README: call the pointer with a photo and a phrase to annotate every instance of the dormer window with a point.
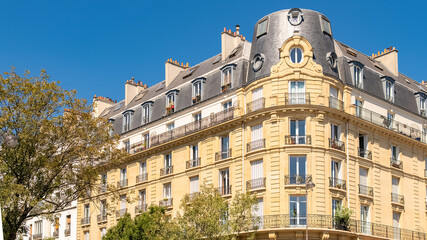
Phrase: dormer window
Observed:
(171, 97)
(227, 77)
(388, 88)
(421, 98)
(296, 55)
(262, 27)
(146, 112)
(356, 69)
(326, 25)
(295, 16)
(111, 121)
(197, 89)
(423, 106)
(127, 119)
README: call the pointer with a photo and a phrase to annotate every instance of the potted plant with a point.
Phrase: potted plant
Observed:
(299, 179)
(342, 218)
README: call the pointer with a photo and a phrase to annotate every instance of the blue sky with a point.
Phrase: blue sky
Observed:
(94, 46)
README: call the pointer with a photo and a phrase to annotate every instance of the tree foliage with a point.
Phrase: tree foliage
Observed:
(60, 143)
(342, 218)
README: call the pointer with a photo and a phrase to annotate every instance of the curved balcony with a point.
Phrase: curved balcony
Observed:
(297, 140)
(297, 98)
(336, 103)
(255, 145)
(255, 105)
(296, 179)
(254, 184)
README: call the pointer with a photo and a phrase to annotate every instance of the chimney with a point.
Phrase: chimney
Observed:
(132, 89)
(101, 103)
(229, 41)
(172, 69)
(389, 59)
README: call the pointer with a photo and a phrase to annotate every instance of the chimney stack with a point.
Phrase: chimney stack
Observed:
(172, 69)
(132, 89)
(101, 103)
(229, 41)
(389, 59)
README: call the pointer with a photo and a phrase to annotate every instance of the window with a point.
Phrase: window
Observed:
(257, 170)
(38, 227)
(326, 25)
(167, 191)
(170, 126)
(111, 130)
(389, 120)
(363, 176)
(146, 112)
(296, 55)
(123, 174)
(335, 170)
(389, 91)
(298, 132)
(122, 202)
(197, 89)
(256, 133)
(127, 145)
(295, 16)
(171, 97)
(395, 152)
(335, 132)
(86, 211)
(336, 205)
(168, 160)
(143, 171)
(357, 77)
(194, 152)
(259, 212)
(297, 210)
(395, 185)
(423, 106)
(86, 235)
(225, 144)
(297, 92)
(224, 182)
(68, 225)
(197, 117)
(127, 119)
(396, 225)
(359, 108)
(297, 169)
(227, 77)
(194, 184)
(227, 105)
(262, 27)
(141, 198)
(363, 146)
(103, 232)
(146, 140)
(104, 179)
(103, 207)
(257, 100)
(365, 219)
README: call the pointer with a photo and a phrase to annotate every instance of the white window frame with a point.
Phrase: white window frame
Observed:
(146, 112)
(296, 218)
(389, 91)
(294, 55)
(127, 120)
(194, 184)
(167, 191)
(262, 29)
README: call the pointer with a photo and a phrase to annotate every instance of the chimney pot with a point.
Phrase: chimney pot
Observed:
(237, 29)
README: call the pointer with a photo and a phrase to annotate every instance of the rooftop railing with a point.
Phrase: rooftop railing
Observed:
(255, 105)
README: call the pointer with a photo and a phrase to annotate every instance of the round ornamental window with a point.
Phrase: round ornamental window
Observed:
(331, 57)
(295, 16)
(257, 61)
(296, 55)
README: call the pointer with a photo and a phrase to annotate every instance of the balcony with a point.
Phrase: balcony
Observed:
(120, 213)
(335, 144)
(193, 163)
(37, 236)
(254, 184)
(225, 87)
(170, 109)
(55, 233)
(223, 155)
(197, 99)
(366, 190)
(166, 171)
(122, 183)
(255, 105)
(67, 232)
(224, 190)
(336, 103)
(101, 217)
(337, 183)
(142, 177)
(204, 123)
(297, 98)
(296, 140)
(397, 198)
(167, 203)
(103, 188)
(297, 179)
(255, 145)
(138, 147)
(364, 153)
(327, 222)
(140, 208)
(85, 221)
(392, 125)
(396, 163)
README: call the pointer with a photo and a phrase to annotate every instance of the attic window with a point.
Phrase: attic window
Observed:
(217, 58)
(262, 27)
(171, 97)
(295, 16)
(127, 118)
(197, 89)
(326, 25)
(162, 85)
(118, 106)
(190, 71)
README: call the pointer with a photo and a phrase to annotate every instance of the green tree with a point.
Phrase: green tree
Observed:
(208, 215)
(60, 143)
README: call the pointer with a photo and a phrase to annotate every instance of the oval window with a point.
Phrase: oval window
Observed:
(257, 62)
(296, 55)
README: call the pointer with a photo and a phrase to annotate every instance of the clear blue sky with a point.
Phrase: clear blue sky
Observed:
(94, 46)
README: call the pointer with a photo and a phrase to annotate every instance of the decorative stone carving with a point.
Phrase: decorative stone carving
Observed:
(299, 235)
(325, 236)
(272, 236)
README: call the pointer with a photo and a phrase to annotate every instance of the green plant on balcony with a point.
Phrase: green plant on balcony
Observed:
(339, 186)
(299, 179)
(225, 87)
(342, 218)
(170, 108)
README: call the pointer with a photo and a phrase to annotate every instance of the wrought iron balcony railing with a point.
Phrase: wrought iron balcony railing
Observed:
(255, 105)
(168, 202)
(292, 140)
(255, 184)
(336, 103)
(396, 163)
(197, 98)
(297, 98)
(166, 171)
(122, 183)
(206, 122)
(223, 155)
(140, 208)
(85, 220)
(366, 190)
(102, 188)
(295, 179)
(364, 153)
(337, 183)
(142, 177)
(193, 163)
(397, 198)
(55, 233)
(138, 146)
(225, 190)
(37, 236)
(335, 144)
(101, 217)
(120, 213)
(67, 232)
(256, 145)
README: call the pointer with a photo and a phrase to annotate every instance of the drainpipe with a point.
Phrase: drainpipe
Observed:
(243, 145)
(348, 162)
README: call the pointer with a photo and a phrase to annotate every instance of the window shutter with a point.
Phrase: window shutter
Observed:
(257, 170)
